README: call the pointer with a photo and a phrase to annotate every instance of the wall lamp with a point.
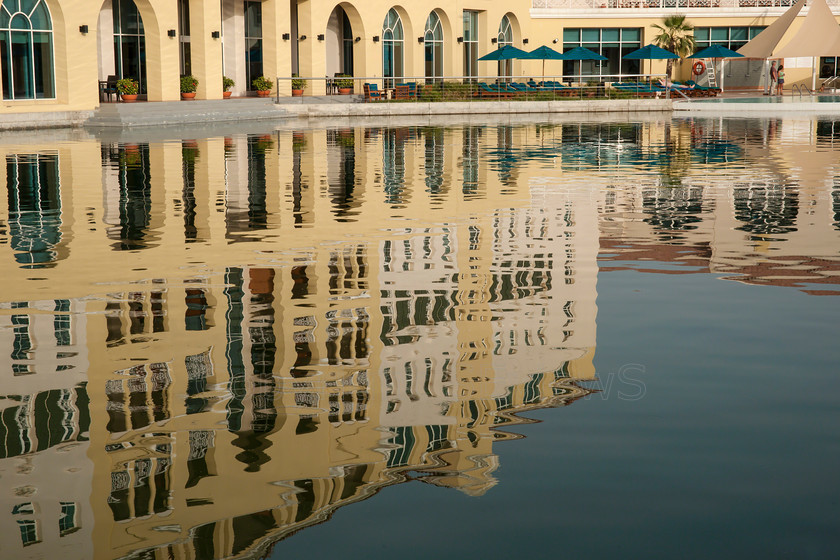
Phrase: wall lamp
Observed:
(286, 36)
(303, 37)
(525, 41)
(321, 37)
(170, 33)
(460, 39)
(493, 40)
(83, 29)
(555, 41)
(376, 38)
(357, 39)
(420, 40)
(215, 34)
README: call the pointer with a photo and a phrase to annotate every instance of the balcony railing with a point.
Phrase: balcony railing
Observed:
(665, 4)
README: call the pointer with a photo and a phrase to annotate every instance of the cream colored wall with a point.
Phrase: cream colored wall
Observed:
(81, 60)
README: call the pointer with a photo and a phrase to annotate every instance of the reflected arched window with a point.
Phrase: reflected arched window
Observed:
(433, 46)
(26, 50)
(505, 37)
(392, 47)
(34, 209)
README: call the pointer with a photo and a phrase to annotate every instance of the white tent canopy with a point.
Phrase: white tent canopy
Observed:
(819, 35)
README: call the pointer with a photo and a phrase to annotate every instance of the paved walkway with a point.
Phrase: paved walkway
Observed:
(122, 115)
(248, 109)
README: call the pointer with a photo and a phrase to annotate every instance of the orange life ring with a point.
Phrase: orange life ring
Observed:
(698, 68)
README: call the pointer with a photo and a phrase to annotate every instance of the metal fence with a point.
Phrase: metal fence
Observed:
(664, 4)
(487, 88)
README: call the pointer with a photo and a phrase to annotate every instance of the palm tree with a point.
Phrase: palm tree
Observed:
(676, 36)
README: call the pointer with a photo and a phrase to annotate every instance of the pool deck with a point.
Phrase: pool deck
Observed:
(139, 115)
(756, 104)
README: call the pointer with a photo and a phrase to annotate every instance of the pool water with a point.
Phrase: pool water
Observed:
(513, 337)
(788, 97)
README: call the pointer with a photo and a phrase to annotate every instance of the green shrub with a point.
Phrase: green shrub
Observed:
(189, 84)
(128, 86)
(343, 81)
(298, 83)
(263, 84)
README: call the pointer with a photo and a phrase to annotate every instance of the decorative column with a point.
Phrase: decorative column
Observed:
(206, 47)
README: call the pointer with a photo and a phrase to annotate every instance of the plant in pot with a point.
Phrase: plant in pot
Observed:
(227, 83)
(298, 85)
(263, 86)
(344, 83)
(188, 86)
(127, 89)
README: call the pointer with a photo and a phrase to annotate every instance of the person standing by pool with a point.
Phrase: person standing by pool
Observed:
(773, 76)
(780, 80)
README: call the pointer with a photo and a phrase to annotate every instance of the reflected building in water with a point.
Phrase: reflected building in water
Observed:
(403, 294)
(219, 412)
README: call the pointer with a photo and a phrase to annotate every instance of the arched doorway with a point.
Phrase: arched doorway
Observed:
(339, 43)
(26, 50)
(122, 42)
(505, 37)
(392, 47)
(433, 46)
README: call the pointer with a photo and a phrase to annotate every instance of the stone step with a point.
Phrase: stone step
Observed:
(175, 112)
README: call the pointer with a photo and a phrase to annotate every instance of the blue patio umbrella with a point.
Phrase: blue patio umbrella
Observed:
(505, 53)
(649, 52)
(582, 53)
(544, 53)
(717, 51)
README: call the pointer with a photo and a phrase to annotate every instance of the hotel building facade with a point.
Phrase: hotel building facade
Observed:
(55, 53)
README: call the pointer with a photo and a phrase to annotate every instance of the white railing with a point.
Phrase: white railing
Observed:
(665, 4)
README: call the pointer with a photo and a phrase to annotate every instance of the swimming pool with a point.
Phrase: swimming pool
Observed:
(793, 98)
(758, 105)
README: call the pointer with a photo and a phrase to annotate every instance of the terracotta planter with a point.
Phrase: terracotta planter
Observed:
(263, 92)
(190, 95)
(297, 92)
(345, 90)
(128, 97)
(226, 94)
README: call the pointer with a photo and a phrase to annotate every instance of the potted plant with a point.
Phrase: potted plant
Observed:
(344, 83)
(127, 89)
(263, 86)
(298, 85)
(188, 86)
(227, 83)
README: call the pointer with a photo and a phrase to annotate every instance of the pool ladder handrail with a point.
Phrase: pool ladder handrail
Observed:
(829, 81)
(799, 88)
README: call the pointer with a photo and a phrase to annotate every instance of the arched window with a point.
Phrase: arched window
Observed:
(129, 42)
(433, 46)
(26, 50)
(392, 47)
(505, 37)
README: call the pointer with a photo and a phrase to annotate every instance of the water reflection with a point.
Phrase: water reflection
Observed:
(34, 208)
(176, 391)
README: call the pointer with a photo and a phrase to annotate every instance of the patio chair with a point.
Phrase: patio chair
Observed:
(412, 90)
(523, 88)
(490, 92)
(372, 93)
(401, 91)
(108, 88)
